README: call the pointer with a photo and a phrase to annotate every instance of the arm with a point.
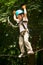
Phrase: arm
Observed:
(17, 20)
(25, 13)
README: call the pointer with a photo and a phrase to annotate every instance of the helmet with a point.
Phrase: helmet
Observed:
(19, 12)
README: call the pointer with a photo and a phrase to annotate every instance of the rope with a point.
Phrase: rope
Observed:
(17, 56)
(14, 26)
(38, 50)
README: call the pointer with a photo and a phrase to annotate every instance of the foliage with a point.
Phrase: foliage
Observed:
(9, 36)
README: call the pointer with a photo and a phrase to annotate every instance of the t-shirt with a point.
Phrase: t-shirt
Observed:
(21, 28)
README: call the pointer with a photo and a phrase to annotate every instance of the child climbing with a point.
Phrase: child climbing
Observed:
(20, 16)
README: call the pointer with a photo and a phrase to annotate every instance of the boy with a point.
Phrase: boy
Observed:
(20, 17)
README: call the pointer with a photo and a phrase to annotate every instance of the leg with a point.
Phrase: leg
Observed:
(27, 43)
(21, 45)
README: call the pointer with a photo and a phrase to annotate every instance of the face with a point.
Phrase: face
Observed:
(20, 17)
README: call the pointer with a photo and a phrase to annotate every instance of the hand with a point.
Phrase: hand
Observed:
(24, 6)
(14, 12)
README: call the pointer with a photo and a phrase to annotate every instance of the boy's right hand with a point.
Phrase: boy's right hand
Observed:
(14, 12)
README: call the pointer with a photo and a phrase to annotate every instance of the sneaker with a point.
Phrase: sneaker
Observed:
(21, 55)
(30, 52)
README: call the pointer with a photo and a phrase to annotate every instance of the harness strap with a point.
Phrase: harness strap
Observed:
(23, 25)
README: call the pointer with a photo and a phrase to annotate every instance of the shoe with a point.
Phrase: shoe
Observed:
(30, 52)
(21, 55)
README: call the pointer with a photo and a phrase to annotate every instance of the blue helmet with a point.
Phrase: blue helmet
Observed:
(19, 12)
